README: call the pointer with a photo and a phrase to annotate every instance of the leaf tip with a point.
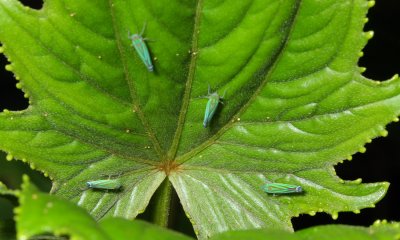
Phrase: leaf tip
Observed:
(371, 4)
(335, 215)
(369, 34)
(9, 67)
(357, 211)
(357, 181)
(362, 150)
(9, 157)
(379, 222)
(362, 69)
(386, 184)
(312, 213)
(384, 133)
(18, 85)
(395, 77)
(32, 166)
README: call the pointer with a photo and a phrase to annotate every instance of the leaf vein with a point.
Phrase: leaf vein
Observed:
(186, 97)
(136, 105)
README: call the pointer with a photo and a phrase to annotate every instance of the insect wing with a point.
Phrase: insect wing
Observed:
(141, 48)
(211, 108)
(104, 184)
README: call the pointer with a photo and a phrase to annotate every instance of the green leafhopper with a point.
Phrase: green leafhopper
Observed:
(213, 100)
(282, 188)
(108, 184)
(141, 48)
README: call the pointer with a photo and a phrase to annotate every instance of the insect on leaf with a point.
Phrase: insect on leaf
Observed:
(282, 188)
(140, 46)
(108, 184)
(213, 101)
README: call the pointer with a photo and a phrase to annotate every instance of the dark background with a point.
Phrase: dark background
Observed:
(379, 163)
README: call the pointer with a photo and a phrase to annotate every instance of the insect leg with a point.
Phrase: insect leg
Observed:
(144, 27)
(223, 94)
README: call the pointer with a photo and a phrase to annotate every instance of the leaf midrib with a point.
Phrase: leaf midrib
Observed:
(186, 98)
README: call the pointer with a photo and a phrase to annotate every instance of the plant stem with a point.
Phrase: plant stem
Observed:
(163, 204)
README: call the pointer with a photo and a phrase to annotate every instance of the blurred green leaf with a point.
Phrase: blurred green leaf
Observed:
(7, 225)
(380, 230)
(5, 191)
(7, 230)
(295, 105)
(11, 174)
(118, 228)
(40, 214)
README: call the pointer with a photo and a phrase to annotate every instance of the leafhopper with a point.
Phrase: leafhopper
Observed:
(108, 184)
(138, 42)
(282, 188)
(213, 100)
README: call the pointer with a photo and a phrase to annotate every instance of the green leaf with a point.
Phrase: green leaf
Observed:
(295, 105)
(40, 214)
(7, 230)
(118, 228)
(5, 191)
(78, 224)
(7, 225)
(380, 230)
